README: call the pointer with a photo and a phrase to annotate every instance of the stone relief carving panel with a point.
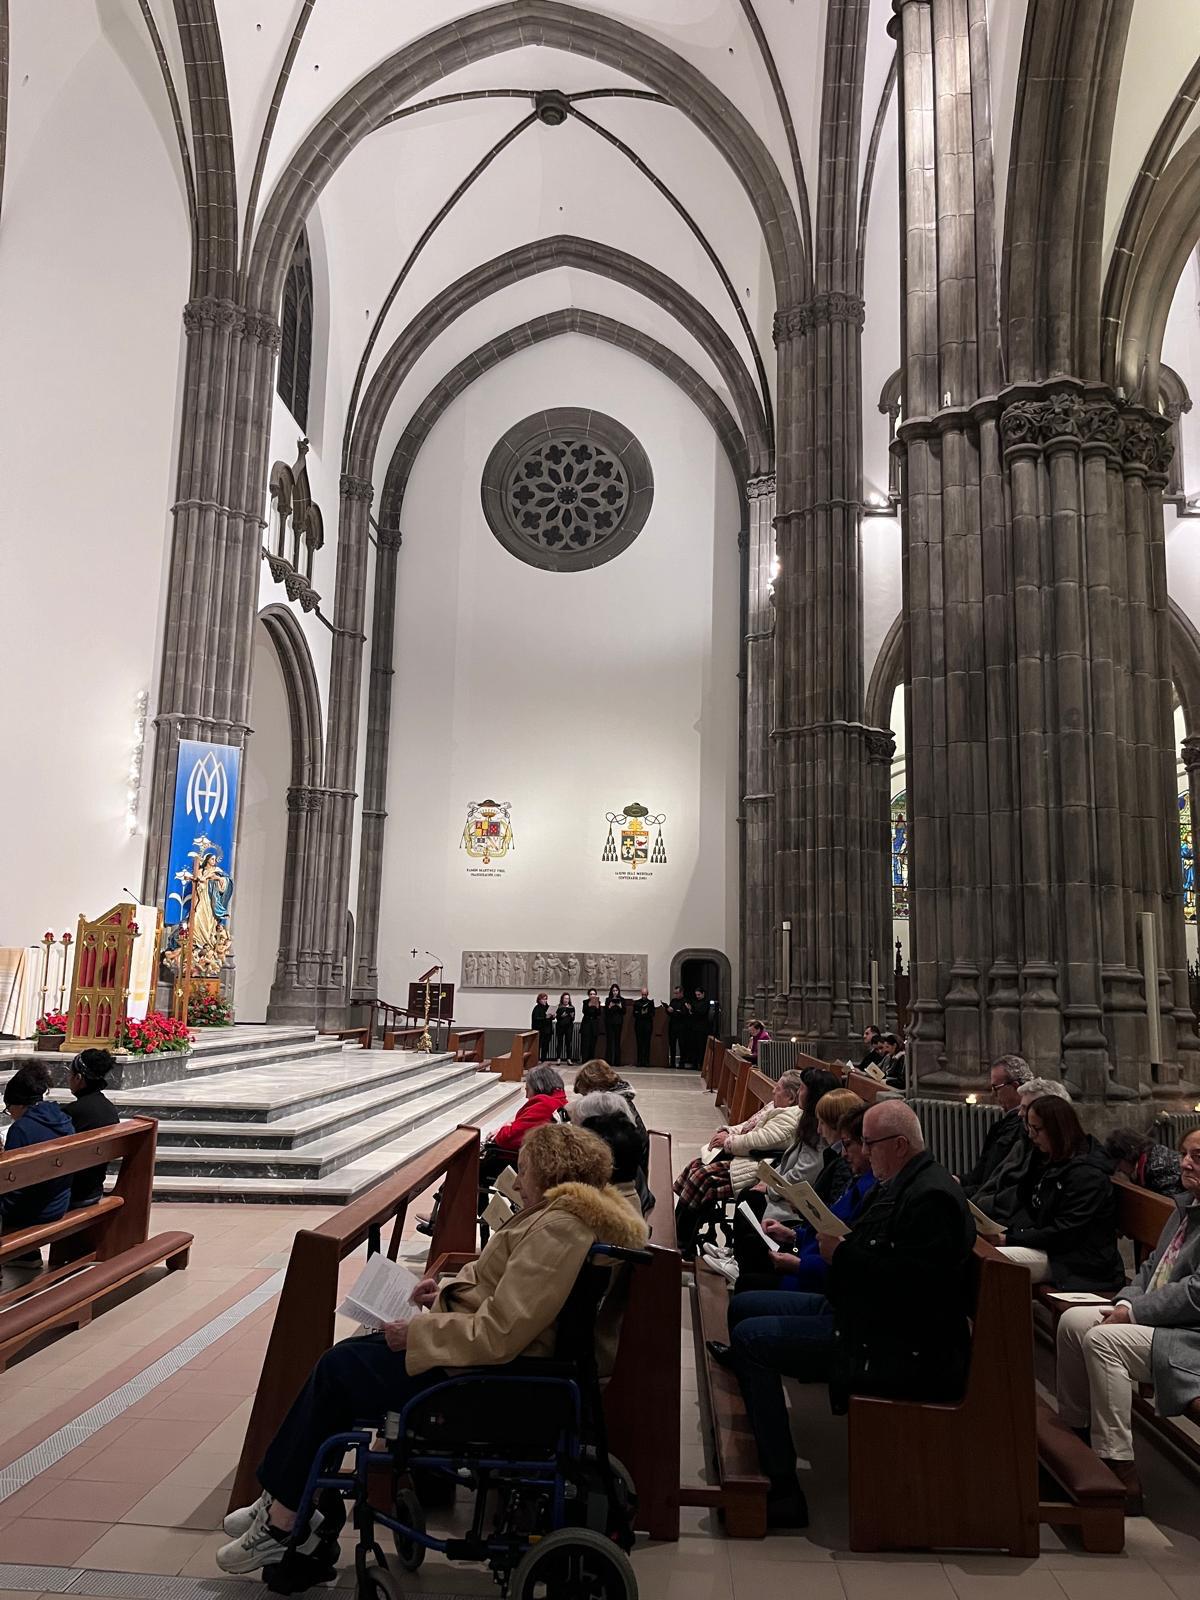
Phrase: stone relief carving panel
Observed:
(551, 970)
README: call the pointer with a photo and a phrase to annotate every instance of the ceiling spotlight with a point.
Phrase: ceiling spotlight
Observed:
(552, 107)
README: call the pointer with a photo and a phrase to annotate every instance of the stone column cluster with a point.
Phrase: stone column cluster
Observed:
(212, 587)
(1040, 756)
(757, 644)
(296, 968)
(379, 725)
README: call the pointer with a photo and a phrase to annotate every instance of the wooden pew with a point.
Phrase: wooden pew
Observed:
(523, 1055)
(402, 1038)
(741, 1488)
(644, 1383)
(467, 1044)
(755, 1091)
(109, 1243)
(993, 1502)
(304, 1315)
(867, 1088)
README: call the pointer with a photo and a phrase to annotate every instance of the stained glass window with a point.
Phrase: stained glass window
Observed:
(1188, 855)
(899, 855)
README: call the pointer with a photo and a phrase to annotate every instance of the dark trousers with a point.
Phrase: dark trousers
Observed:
(566, 1038)
(776, 1335)
(641, 1032)
(750, 1253)
(587, 1042)
(676, 1047)
(356, 1381)
(545, 1041)
(612, 1031)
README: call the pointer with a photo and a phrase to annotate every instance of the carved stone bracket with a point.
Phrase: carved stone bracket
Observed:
(881, 746)
(1189, 752)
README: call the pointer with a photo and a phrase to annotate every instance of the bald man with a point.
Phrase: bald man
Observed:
(900, 1282)
(893, 1319)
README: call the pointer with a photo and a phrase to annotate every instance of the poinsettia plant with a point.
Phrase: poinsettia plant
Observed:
(52, 1022)
(155, 1034)
(209, 1011)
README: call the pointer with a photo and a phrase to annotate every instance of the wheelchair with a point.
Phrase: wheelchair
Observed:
(553, 1511)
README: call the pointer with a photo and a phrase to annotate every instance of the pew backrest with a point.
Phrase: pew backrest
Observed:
(1141, 1215)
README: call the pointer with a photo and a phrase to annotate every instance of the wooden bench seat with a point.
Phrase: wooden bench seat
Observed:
(94, 1250)
(741, 1488)
(1094, 1497)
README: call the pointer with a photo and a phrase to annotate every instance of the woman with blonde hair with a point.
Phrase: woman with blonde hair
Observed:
(502, 1305)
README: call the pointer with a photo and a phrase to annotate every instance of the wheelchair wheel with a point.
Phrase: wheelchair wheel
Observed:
(409, 1552)
(574, 1564)
(377, 1583)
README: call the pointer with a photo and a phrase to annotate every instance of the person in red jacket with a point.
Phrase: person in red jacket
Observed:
(545, 1097)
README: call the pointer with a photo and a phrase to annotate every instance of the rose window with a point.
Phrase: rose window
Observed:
(567, 489)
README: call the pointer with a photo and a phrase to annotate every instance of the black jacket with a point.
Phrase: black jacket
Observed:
(643, 1012)
(835, 1176)
(902, 1288)
(540, 1018)
(1068, 1209)
(564, 1016)
(614, 1013)
(92, 1110)
(1003, 1134)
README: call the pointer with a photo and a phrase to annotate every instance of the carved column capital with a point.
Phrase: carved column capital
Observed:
(743, 539)
(301, 798)
(212, 312)
(353, 488)
(390, 539)
(881, 746)
(263, 329)
(759, 488)
(791, 322)
(1189, 753)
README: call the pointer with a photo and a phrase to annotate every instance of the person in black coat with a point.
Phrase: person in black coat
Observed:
(91, 1109)
(1065, 1228)
(1007, 1076)
(894, 1317)
(544, 1023)
(643, 1024)
(589, 1026)
(564, 1022)
(614, 1021)
(677, 1026)
(700, 1026)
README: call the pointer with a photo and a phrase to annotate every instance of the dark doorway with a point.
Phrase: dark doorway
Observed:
(708, 970)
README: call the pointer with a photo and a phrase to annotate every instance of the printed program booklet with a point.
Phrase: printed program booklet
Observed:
(381, 1294)
(983, 1223)
(805, 1201)
(506, 1184)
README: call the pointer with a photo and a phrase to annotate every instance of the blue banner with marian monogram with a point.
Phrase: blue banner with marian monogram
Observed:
(202, 838)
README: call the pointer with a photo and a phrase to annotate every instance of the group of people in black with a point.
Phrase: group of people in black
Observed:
(689, 1024)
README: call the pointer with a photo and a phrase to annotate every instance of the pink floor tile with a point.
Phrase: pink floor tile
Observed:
(122, 1465)
(84, 1501)
(168, 1433)
(41, 1541)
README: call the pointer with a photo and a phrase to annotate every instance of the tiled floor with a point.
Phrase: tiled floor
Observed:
(145, 1494)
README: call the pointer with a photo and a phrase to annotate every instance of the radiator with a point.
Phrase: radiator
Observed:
(955, 1131)
(777, 1056)
(1171, 1126)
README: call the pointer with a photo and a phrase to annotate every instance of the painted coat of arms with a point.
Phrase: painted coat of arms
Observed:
(487, 834)
(634, 824)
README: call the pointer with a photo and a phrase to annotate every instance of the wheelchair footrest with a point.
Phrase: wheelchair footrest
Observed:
(297, 1572)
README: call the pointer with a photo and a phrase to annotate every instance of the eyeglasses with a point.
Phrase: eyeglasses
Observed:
(1005, 1083)
(870, 1144)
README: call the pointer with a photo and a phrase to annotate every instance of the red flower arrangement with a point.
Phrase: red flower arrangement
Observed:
(209, 1011)
(157, 1033)
(52, 1022)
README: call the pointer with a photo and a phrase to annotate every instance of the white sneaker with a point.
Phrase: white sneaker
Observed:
(717, 1252)
(236, 1523)
(260, 1545)
(728, 1269)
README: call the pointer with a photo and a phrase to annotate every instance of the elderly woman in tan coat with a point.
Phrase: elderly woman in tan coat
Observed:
(502, 1305)
(731, 1162)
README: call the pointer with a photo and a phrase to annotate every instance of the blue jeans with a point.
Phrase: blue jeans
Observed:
(776, 1334)
(355, 1381)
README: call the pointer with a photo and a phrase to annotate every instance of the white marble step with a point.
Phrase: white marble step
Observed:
(232, 1058)
(321, 1155)
(489, 1108)
(299, 1127)
(274, 1090)
(250, 1036)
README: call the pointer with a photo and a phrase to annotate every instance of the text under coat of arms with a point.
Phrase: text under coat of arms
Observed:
(487, 835)
(634, 824)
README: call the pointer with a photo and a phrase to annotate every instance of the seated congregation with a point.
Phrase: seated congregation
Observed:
(885, 1308)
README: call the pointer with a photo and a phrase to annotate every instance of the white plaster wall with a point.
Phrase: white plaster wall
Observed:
(94, 260)
(1181, 350)
(262, 838)
(568, 695)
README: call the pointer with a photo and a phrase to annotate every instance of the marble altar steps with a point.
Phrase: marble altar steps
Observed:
(295, 1118)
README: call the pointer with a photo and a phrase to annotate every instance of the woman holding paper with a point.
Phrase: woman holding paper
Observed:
(733, 1163)
(500, 1306)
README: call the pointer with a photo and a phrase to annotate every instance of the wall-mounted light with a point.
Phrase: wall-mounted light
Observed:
(972, 1099)
(133, 784)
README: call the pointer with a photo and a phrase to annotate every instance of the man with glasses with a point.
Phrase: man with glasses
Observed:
(1008, 1075)
(893, 1320)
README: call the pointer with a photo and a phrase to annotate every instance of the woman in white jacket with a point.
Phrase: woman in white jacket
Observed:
(703, 1185)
